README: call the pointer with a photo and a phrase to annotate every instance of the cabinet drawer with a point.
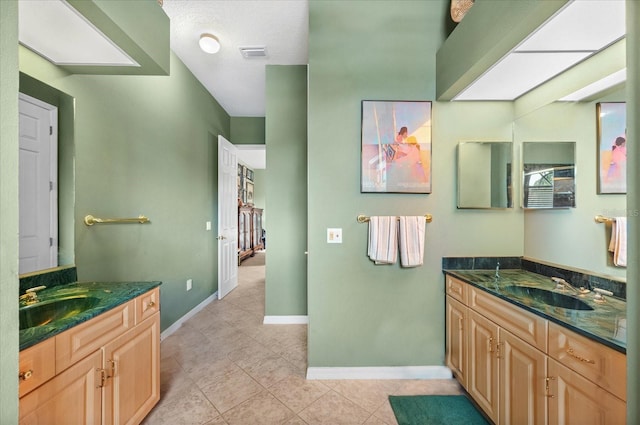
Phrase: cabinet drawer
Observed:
(523, 324)
(601, 365)
(147, 305)
(457, 289)
(37, 365)
(81, 340)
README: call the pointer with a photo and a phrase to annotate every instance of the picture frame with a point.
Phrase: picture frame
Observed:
(395, 147)
(611, 147)
(249, 193)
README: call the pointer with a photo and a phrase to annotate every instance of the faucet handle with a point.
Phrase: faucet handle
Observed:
(600, 293)
(35, 289)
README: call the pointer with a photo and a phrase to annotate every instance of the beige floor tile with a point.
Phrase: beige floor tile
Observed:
(187, 406)
(231, 390)
(369, 394)
(296, 420)
(296, 392)
(385, 414)
(271, 370)
(428, 387)
(333, 408)
(263, 408)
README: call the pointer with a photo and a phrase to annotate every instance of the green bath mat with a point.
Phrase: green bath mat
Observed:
(435, 410)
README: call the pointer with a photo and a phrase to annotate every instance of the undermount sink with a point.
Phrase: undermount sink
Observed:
(45, 312)
(548, 297)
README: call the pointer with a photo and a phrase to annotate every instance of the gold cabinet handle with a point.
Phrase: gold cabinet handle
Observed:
(113, 368)
(546, 386)
(491, 344)
(579, 357)
(150, 305)
(25, 375)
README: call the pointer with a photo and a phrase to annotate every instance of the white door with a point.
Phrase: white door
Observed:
(227, 217)
(38, 181)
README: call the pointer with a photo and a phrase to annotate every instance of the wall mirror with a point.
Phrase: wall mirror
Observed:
(484, 175)
(548, 175)
(46, 225)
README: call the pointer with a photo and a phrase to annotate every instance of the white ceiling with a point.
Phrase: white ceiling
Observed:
(238, 84)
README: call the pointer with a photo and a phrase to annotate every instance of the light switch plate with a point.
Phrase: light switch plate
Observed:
(334, 235)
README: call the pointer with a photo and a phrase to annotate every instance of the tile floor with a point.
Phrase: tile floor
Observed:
(223, 366)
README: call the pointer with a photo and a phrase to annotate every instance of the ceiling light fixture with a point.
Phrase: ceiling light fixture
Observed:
(209, 43)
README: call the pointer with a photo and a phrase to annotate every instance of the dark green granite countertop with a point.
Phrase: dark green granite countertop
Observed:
(109, 295)
(606, 323)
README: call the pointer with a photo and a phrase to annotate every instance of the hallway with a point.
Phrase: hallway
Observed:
(223, 366)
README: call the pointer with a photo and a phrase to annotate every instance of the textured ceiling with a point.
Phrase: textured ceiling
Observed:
(238, 84)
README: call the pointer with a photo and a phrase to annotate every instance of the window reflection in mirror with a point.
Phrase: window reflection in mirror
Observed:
(548, 175)
(484, 175)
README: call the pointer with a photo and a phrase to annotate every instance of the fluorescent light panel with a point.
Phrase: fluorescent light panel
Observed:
(517, 73)
(573, 34)
(597, 86)
(56, 31)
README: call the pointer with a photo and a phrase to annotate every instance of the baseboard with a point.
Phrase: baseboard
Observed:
(176, 325)
(391, 372)
(286, 320)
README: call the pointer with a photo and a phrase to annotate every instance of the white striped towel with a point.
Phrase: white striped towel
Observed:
(383, 239)
(618, 242)
(411, 238)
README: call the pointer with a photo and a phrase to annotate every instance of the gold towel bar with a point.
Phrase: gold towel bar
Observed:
(91, 220)
(603, 219)
(364, 218)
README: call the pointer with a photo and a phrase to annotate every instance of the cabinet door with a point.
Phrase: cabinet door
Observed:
(482, 377)
(523, 370)
(456, 339)
(132, 362)
(575, 400)
(72, 397)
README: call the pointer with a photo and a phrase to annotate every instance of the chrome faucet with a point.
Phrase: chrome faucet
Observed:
(30, 296)
(561, 284)
(498, 270)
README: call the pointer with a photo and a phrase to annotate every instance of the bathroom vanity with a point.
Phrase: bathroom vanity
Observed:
(98, 365)
(528, 352)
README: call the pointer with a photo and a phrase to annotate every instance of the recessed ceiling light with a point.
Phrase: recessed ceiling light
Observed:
(209, 43)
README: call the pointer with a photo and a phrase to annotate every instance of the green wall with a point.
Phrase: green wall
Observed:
(139, 143)
(286, 190)
(247, 130)
(361, 314)
(9, 211)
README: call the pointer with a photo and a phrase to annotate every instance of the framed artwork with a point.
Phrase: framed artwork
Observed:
(249, 193)
(612, 147)
(395, 147)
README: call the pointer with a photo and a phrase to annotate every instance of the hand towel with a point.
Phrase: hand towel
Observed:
(618, 242)
(383, 239)
(411, 240)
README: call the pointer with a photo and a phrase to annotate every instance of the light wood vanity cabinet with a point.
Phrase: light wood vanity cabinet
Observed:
(457, 325)
(522, 369)
(107, 370)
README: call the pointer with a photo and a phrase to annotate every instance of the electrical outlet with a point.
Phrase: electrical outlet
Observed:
(334, 235)
(189, 284)
(208, 225)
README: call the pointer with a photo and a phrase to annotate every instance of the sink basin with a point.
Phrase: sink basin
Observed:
(548, 297)
(45, 312)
